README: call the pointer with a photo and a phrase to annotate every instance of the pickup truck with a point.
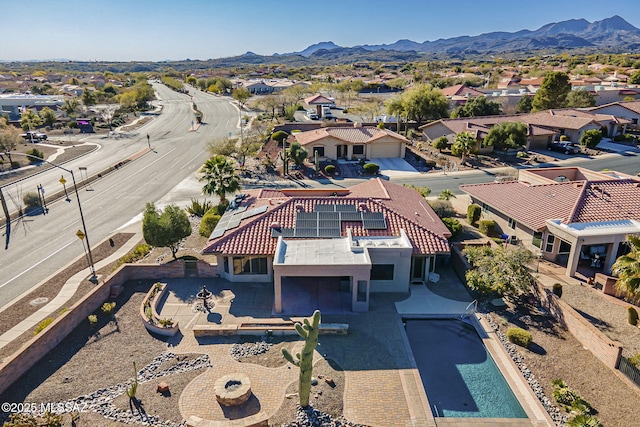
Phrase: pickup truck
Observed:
(35, 136)
(564, 147)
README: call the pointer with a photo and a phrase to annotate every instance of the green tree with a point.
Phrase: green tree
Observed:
(48, 116)
(552, 92)
(627, 268)
(241, 95)
(220, 177)
(89, 97)
(454, 227)
(297, 153)
(30, 120)
(580, 99)
(465, 144)
(476, 107)
(191, 80)
(367, 110)
(70, 106)
(396, 107)
(9, 139)
(498, 271)
(424, 102)
(591, 138)
(165, 228)
(441, 143)
(507, 135)
(525, 104)
(634, 78)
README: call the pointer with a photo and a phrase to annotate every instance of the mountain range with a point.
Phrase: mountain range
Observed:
(611, 35)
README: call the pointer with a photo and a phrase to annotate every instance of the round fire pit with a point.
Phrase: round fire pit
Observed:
(232, 389)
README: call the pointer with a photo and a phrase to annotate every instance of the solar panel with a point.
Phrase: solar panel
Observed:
(329, 215)
(323, 208)
(345, 208)
(216, 233)
(254, 212)
(372, 215)
(351, 216)
(306, 215)
(240, 209)
(306, 232)
(306, 223)
(233, 223)
(329, 232)
(329, 223)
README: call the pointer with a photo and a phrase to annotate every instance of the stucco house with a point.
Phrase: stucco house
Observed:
(571, 216)
(373, 237)
(350, 143)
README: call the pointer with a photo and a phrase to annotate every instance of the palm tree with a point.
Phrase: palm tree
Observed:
(446, 195)
(220, 177)
(627, 268)
(464, 145)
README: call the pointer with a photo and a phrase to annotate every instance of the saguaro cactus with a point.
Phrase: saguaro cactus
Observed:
(304, 361)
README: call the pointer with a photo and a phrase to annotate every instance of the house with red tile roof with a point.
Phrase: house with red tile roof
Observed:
(571, 216)
(375, 237)
(356, 142)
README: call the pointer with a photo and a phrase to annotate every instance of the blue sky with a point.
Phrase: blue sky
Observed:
(157, 30)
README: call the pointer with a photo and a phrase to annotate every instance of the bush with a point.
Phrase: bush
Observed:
(557, 289)
(635, 360)
(430, 163)
(136, 254)
(486, 226)
(442, 208)
(329, 169)
(519, 337)
(93, 319)
(564, 138)
(198, 208)
(454, 227)
(441, 143)
(15, 165)
(633, 315)
(108, 307)
(46, 322)
(584, 420)
(521, 154)
(32, 200)
(35, 153)
(591, 138)
(279, 136)
(371, 168)
(208, 223)
(473, 213)
(570, 400)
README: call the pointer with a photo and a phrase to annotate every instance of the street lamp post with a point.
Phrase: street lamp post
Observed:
(81, 234)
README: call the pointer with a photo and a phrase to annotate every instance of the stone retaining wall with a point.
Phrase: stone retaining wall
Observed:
(601, 346)
(34, 350)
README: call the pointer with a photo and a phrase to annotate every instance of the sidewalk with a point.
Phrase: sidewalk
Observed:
(67, 291)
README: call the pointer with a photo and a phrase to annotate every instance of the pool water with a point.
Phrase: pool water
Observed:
(458, 374)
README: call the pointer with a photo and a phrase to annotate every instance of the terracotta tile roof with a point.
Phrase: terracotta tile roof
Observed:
(461, 90)
(352, 135)
(426, 232)
(317, 99)
(629, 105)
(530, 205)
(609, 201)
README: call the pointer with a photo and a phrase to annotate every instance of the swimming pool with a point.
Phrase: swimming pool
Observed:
(458, 374)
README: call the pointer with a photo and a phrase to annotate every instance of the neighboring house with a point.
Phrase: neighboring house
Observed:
(350, 143)
(13, 103)
(629, 110)
(543, 126)
(375, 237)
(459, 94)
(571, 216)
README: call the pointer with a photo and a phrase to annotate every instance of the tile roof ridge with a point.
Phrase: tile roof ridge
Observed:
(384, 188)
(411, 220)
(575, 210)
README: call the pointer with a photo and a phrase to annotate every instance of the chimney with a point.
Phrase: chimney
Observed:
(357, 124)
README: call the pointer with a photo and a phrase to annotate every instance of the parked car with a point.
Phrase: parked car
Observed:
(311, 114)
(35, 136)
(564, 147)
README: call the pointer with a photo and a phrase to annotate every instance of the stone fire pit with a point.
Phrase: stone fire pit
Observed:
(232, 389)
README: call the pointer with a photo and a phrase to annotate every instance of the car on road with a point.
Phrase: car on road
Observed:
(35, 136)
(564, 147)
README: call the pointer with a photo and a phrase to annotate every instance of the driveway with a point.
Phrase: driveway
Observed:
(608, 145)
(395, 167)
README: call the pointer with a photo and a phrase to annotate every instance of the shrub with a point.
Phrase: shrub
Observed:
(136, 254)
(486, 226)
(208, 223)
(442, 208)
(568, 398)
(564, 138)
(108, 307)
(46, 322)
(32, 200)
(557, 289)
(93, 319)
(279, 136)
(521, 154)
(633, 315)
(473, 213)
(166, 322)
(591, 138)
(635, 360)
(329, 169)
(198, 208)
(519, 337)
(430, 163)
(441, 143)
(584, 420)
(39, 155)
(498, 240)
(454, 227)
(371, 168)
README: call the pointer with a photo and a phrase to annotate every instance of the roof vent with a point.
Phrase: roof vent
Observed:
(275, 225)
(299, 207)
(364, 207)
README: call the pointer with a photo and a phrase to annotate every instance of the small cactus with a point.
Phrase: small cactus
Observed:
(633, 315)
(557, 289)
(304, 361)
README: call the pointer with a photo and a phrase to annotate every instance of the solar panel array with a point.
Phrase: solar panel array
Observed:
(326, 221)
(232, 218)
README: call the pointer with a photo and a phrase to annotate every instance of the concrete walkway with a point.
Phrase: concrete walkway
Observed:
(65, 294)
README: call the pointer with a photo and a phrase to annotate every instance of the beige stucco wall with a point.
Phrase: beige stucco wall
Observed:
(383, 147)
(260, 278)
(435, 131)
(401, 259)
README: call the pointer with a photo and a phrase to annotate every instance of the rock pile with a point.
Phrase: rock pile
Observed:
(238, 351)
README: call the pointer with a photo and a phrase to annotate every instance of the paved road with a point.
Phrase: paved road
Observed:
(41, 245)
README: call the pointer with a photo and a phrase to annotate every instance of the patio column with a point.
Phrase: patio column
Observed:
(277, 290)
(574, 257)
(611, 256)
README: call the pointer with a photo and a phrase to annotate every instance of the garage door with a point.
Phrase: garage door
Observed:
(385, 149)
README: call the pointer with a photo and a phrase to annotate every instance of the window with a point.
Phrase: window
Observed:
(226, 264)
(485, 208)
(249, 265)
(512, 225)
(565, 247)
(362, 291)
(358, 149)
(319, 150)
(550, 241)
(382, 271)
(537, 239)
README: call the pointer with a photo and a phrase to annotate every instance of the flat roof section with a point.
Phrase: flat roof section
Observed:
(319, 252)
